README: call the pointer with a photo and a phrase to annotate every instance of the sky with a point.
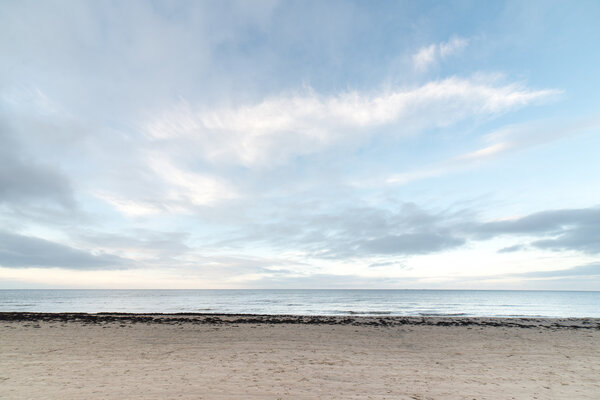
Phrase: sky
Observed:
(300, 144)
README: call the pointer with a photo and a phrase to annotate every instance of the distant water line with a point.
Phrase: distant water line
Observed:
(478, 303)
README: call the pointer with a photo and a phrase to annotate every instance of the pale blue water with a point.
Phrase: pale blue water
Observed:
(310, 302)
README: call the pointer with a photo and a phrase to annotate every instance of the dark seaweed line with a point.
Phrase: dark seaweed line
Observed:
(218, 319)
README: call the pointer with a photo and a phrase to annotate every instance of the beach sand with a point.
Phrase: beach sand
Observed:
(60, 356)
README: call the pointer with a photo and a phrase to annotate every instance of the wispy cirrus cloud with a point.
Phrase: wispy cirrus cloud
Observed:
(555, 230)
(20, 251)
(356, 233)
(279, 129)
(588, 270)
(508, 139)
(410, 230)
(427, 56)
(189, 187)
(173, 189)
(282, 127)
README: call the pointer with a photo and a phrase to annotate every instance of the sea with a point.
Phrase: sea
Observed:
(476, 303)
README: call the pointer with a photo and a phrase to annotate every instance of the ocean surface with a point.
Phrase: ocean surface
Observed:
(485, 303)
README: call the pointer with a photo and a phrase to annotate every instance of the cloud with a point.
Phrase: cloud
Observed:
(530, 134)
(169, 189)
(238, 128)
(511, 138)
(139, 243)
(407, 177)
(410, 230)
(452, 46)
(412, 243)
(584, 237)
(557, 230)
(25, 180)
(546, 222)
(425, 56)
(590, 270)
(357, 232)
(327, 281)
(512, 249)
(283, 127)
(430, 55)
(190, 187)
(129, 207)
(584, 275)
(486, 152)
(19, 251)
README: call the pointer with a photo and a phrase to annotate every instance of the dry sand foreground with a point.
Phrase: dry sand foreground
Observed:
(59, 356)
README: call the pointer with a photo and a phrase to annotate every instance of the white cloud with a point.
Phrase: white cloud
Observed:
(453, 46)
(177, 190)
(507, 139)
(407, 177)
(427, 56)
(279, 128)
(189, 187)
(486, 152)
(127, 206)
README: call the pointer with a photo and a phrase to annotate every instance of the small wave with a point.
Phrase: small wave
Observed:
(443, 314)
(351, 312)
(526, 316)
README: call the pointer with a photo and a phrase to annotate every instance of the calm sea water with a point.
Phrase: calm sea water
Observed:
(310, 302)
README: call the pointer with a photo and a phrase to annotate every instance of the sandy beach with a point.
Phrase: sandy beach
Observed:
(130, 356)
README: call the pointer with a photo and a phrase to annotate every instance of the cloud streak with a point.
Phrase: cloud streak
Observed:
(24, 180)
(558, 230)
(19, 251)
(235, 142)
(279, 128)
(411, 230)
(428, 56)
(509, 139)
(358, 232)
(590, 270)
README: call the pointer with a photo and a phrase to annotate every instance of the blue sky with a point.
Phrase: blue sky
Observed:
(272, 144)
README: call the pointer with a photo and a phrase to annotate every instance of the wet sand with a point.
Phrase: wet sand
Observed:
(194, 356)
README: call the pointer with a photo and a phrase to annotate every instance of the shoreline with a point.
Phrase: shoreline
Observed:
(354, 320)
